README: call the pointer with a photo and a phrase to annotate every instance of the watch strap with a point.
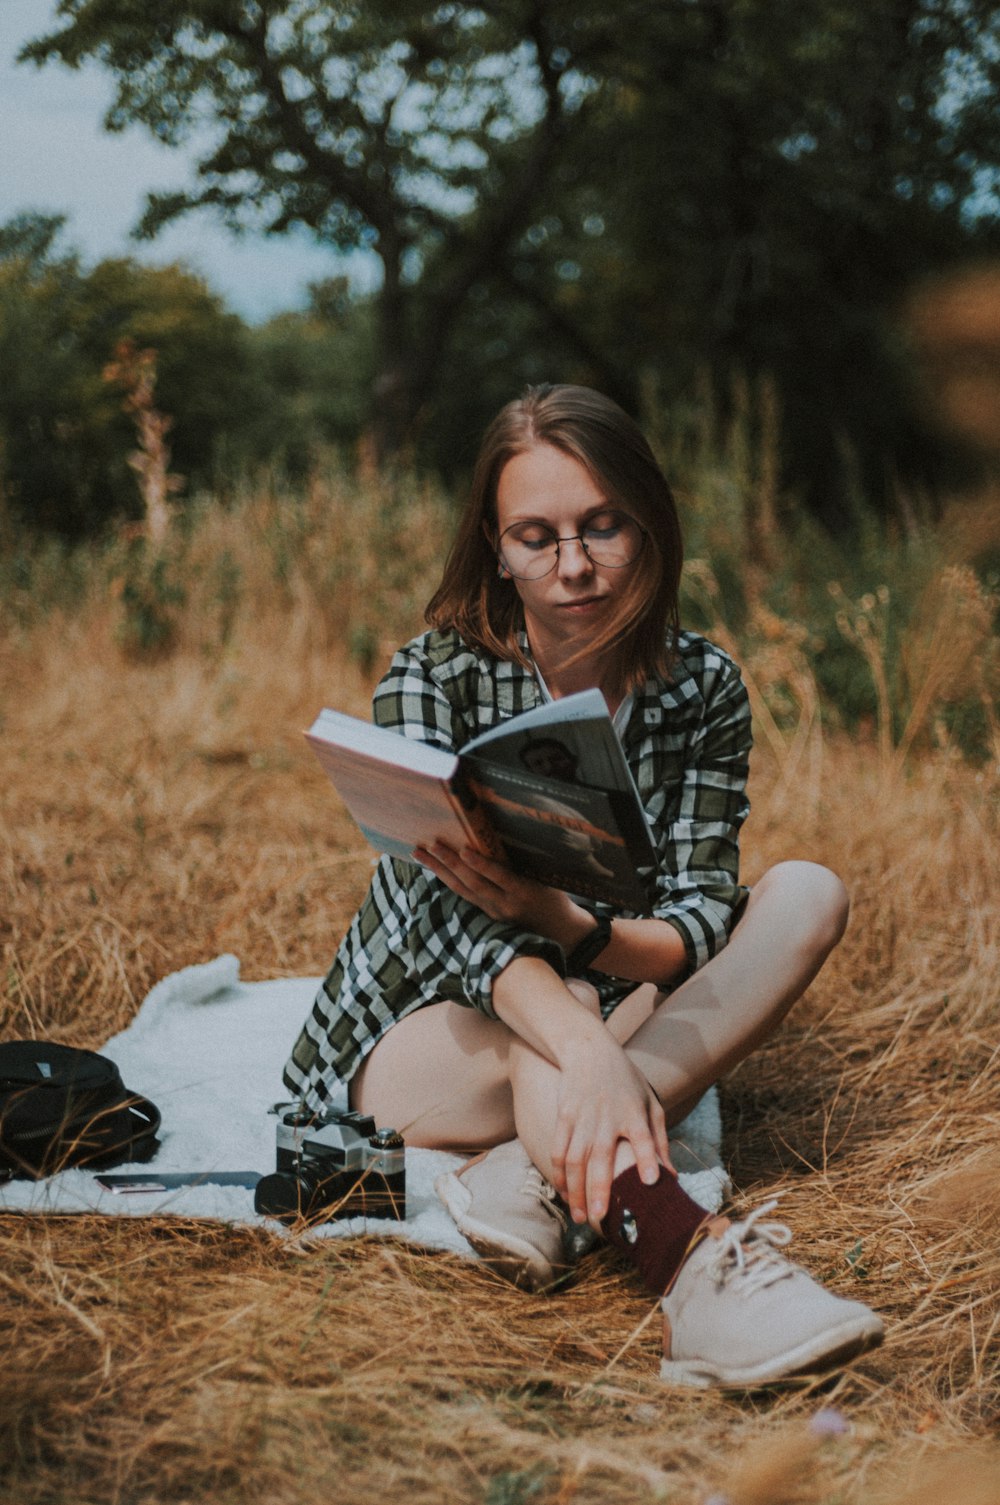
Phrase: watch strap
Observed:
(587, 950)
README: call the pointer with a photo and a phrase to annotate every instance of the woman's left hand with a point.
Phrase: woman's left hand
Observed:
(501, 893)
(602, 1100)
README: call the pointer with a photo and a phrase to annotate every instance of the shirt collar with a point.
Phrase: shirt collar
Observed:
(517, 690)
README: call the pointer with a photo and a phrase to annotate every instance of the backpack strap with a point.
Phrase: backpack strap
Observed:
(140, 1143)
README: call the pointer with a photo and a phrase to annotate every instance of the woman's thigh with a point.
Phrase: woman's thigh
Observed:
(795, 916)
(440, 1076)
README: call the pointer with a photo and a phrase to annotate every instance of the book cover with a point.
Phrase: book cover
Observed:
(402, 793)
(565, 835)
(549, 791)
(572, 739)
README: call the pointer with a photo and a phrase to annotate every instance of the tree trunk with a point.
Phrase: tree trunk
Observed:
(392, 401)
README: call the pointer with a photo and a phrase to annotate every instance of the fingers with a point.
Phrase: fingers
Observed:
(475, 865)
(659, 1145)
(454, 869)
(584, 1166)
(488, 884)
(647, 1159)
(499, 892)
(649, 1140)
(600, 1174)
(559, 1177)
(585, 1159)
(586, 1174)
(663, 1142)
(496, 873)
(576, 1164)
(441, 859)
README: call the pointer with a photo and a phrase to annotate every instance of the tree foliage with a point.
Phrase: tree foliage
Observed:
(793, 166)
(758, 186)
(421, 133)
(743, 187)
(316, 369)
(64, 438)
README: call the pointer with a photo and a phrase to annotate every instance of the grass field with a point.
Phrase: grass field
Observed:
(159, 807)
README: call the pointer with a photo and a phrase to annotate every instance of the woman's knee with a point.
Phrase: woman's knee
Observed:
(814, 900)
(585, 993)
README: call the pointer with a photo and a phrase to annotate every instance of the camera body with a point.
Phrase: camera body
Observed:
(335, 1163)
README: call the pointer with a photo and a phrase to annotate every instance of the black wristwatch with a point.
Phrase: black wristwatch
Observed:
(593, 943)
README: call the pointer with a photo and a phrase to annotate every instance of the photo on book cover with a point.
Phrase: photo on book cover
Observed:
(565, 835)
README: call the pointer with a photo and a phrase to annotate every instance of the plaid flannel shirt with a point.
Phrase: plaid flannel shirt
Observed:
(415, 942)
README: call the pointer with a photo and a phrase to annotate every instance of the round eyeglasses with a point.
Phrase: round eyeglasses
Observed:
(612, 539)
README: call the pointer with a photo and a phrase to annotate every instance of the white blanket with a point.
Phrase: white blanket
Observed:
(209, 1050)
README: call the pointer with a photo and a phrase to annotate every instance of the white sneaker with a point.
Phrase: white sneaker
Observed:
(510, 1214)
(740, 1314)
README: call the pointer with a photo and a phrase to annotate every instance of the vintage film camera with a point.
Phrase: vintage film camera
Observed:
(335, 1163)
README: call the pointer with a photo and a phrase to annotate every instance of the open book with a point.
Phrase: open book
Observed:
(548, 791)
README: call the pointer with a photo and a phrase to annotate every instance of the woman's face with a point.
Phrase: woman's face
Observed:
(544, 489)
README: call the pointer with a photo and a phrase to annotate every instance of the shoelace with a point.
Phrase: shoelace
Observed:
(748, 1252)
(535, 1185)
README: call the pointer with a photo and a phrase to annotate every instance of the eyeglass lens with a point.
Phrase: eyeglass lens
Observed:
(611, 539)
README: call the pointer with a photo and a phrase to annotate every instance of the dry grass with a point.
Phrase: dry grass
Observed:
(155, 816)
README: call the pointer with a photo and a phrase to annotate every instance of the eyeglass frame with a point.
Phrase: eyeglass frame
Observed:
(573, 538)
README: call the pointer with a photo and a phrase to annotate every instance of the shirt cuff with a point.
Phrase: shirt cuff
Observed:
(494, 950)
(704, 931)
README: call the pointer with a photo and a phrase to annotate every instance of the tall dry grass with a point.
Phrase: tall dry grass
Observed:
(156, 810)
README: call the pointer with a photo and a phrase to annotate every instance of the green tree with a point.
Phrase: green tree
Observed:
(738, 186)
(204, 367)
(315, 370)
(759, 185)
(55, 459)
(417, 132)
(64, 438)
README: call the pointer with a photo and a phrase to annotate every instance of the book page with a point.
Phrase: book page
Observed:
(371, 741)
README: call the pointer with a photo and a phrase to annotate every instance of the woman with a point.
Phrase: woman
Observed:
(479, 1011)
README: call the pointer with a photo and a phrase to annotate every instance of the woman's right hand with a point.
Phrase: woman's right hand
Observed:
(603, 1100)
(505, 895)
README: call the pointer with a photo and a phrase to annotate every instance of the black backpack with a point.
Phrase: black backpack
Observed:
(62, 1107)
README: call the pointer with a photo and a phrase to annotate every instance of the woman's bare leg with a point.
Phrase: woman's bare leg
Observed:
(796, 914)
(441, 1077)
(716, 1327)
(448, 1077)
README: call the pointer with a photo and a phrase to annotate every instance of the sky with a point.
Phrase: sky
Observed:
(55, 158)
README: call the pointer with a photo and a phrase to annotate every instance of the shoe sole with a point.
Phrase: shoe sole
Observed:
(511, 1258)
(828, 1350)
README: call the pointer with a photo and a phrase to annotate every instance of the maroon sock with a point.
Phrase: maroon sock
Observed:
(652, 1225)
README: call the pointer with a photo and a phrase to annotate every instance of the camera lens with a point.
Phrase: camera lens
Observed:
(299, 1193)
(282, 1195)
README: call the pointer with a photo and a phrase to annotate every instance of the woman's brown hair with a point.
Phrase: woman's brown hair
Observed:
(590, 428)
